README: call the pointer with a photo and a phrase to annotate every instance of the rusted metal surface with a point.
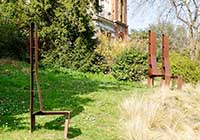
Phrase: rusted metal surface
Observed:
(36, 66)
(50, 113)
(152, 54)
(179, 82)
(34, 71)
(152, 64)
(165, 55)
(32, 77)
(166, 65)
(165, 60)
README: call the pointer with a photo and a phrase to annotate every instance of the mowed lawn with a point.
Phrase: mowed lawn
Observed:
(93, 100)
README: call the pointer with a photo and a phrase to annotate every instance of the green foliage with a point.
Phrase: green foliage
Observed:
(107, 50)
(112, 48)
(11, 38)
(96, 64)
(182, 65)
(131, 65)
(65, 29)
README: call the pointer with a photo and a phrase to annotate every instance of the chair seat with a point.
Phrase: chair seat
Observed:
(156, 75)
(51, 113)
(175, 76)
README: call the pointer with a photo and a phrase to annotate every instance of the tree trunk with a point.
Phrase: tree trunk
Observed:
(192, 44)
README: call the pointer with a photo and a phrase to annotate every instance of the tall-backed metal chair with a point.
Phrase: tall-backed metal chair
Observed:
(152, 64)
(34, 73)
(166, 66)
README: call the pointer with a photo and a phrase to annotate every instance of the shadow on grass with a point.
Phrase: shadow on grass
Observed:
(57, 125)
(59, 91)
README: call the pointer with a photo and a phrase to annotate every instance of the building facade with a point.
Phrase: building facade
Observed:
(113, 18)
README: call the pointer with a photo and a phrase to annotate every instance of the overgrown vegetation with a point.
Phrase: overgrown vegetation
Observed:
(68, 45)
(65, 30)
(162, 115)
(125, 60)
(131, 65)
(182, 65)
(12, 41)
(67, 40)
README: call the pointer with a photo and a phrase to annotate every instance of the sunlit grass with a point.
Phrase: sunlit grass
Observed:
(93, 100)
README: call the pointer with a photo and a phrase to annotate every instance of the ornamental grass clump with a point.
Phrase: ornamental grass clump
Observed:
(162, 115)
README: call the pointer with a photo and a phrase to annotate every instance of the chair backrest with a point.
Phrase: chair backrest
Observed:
(34, 48)
(152, 64)
(165, 55)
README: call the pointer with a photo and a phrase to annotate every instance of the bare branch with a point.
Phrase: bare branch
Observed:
(173, 2)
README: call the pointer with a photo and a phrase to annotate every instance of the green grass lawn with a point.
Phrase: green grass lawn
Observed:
(93, 100)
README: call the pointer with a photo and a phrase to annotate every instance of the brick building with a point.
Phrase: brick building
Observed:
(113, 18)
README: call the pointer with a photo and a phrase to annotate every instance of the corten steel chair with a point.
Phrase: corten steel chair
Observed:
(165, 64)
(152, 64)
(34, 69)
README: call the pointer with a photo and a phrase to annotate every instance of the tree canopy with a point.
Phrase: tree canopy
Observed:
(65, 28)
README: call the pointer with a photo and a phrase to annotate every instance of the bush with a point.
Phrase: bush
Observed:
(12, 42)
(96, 64)
(131, 65)
(107, 50)
(182, 65)
(111, 48)
(65, 29)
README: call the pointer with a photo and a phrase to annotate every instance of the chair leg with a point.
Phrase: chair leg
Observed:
(150, 81)
(162, 83)
(167, 81)
(179, 83)
(32, 122)
(66, 126)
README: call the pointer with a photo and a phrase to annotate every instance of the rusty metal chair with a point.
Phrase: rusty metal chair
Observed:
(165, 64)
(152, 64)
(34, 72)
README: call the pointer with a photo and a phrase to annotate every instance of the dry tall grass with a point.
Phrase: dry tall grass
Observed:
(162, 115)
